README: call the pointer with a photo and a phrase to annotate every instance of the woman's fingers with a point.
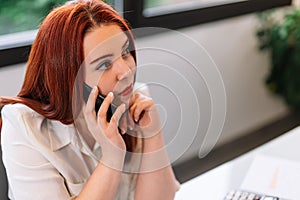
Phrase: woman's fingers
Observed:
(123, 125)
(89, 110)
(114, 121)
(140, 107)
(132, 109)
(105, 133)
(130, 122)
(104, 108)
(133, 98)
(90, 104)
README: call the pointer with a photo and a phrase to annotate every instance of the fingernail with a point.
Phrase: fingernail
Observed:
(94, 89)
(110, 94)
(123, 132)
(130, 128)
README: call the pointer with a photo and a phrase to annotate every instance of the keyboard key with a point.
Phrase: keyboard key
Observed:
(245, 195)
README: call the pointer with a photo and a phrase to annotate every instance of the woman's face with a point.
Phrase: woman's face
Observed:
(109, 63)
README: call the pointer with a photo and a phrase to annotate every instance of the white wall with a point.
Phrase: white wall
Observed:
(232, 45)
(11, 79)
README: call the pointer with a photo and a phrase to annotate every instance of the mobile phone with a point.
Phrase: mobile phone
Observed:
(99, 100)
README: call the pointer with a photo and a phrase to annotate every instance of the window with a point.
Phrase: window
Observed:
(24, 15)
(20, 15)
(181, 13)
(19, 19)
(155, 8)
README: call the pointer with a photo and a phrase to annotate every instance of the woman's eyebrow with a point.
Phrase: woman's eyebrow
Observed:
(101, 57)
(109, 55)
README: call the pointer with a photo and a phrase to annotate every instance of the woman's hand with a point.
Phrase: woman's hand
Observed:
(106, 133)
(143, 112)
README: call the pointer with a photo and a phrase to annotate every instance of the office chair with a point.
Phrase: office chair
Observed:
(3, 180)
(3, 177)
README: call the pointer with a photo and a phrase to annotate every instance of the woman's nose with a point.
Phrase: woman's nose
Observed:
(122, 69)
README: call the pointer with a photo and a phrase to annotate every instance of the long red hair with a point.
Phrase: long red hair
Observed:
(57, 54)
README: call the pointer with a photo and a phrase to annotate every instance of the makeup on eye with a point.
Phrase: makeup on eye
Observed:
(101, 58)
(104, 65)
(107, 63)
(124, 46)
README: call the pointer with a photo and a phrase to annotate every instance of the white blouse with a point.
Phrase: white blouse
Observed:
(45, 159)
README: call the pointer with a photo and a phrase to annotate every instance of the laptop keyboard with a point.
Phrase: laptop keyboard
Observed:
(245, 195)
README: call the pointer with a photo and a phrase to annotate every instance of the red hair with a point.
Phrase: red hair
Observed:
(57, 54)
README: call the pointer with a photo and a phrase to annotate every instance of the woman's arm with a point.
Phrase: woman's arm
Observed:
(102, 184)
(104, 181)
(160, 184)
(156, 179)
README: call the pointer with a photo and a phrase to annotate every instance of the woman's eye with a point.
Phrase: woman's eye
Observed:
(104, 65)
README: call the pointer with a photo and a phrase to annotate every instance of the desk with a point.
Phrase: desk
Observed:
(214, 184)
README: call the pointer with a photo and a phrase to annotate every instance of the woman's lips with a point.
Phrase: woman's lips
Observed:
(127, 90)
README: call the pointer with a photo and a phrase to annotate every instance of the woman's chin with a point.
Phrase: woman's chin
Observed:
(122, 99)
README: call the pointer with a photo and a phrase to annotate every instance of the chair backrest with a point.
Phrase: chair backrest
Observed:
(3, 180)
(3, 177)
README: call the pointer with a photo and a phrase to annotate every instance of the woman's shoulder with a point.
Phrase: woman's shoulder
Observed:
(18, 117)
(20, 120)
(19, 123)
(18, 110)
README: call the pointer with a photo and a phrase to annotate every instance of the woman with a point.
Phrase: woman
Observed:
(57, 146)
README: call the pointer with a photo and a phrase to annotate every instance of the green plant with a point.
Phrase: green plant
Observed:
(281, 36)
(23, 15)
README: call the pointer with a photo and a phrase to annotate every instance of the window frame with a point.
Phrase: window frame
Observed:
(15, 55)
(15, 47)
(133, 12)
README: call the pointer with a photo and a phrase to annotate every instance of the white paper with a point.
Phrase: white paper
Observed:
(273, 176)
